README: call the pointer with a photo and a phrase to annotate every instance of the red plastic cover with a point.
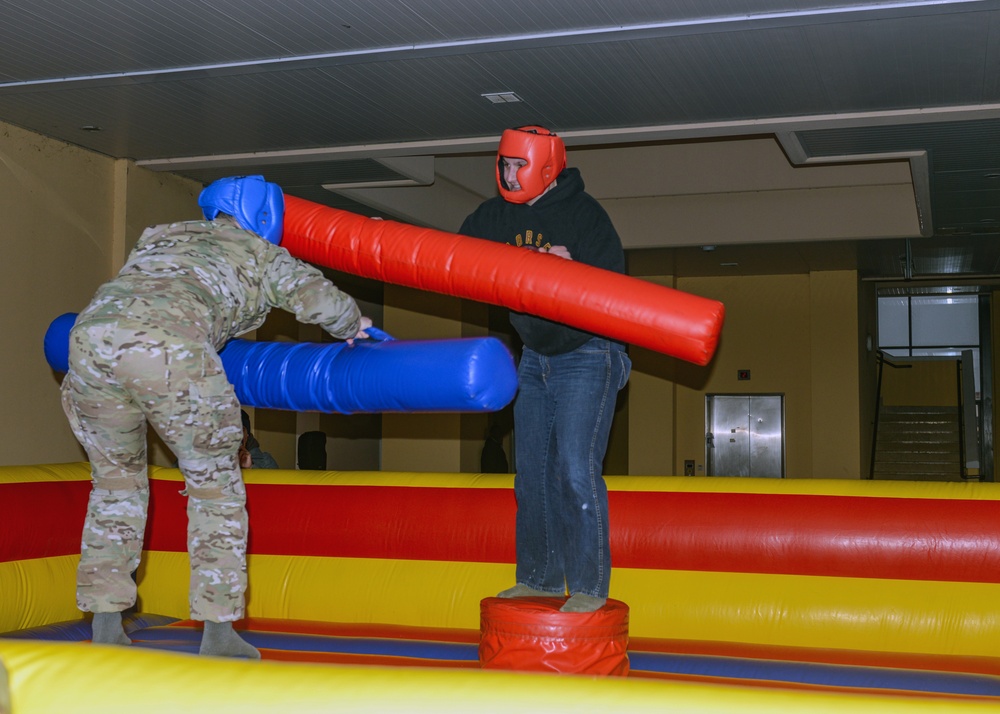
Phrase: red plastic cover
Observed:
(530, 634)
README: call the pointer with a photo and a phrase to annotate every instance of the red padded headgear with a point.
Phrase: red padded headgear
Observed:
(545, 154)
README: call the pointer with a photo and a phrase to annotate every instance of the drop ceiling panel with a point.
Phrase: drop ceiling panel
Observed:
(169, 33)
(309, 174)
(915, 62)
(260, 76)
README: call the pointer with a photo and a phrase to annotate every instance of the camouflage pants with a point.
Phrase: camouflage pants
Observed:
(121, 376)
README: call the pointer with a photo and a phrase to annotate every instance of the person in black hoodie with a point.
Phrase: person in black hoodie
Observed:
(568, 380)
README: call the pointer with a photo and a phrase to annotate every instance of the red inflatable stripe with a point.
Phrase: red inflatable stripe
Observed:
(721, 532)
(889, 538)
(617, 306)
(24, 536)
(338, 521)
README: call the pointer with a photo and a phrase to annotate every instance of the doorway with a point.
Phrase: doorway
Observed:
(745, 435)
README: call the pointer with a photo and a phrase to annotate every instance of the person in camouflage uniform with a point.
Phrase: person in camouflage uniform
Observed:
(146, 350)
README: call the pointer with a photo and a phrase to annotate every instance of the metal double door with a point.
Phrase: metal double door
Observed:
(746, 435)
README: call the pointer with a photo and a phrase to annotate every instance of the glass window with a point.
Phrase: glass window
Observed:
(894, 322)
(930, 326)
(945, 321)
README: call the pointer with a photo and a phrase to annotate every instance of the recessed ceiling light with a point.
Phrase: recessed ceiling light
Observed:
(728, 265)
(501, 97)
(90, 127)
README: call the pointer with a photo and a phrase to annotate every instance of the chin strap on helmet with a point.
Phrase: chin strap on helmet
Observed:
(256, 205)
(545, 157)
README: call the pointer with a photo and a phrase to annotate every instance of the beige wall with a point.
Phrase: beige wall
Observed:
(70, 217)
(422, 442)
(61, 209)
(150, 198)
(834, 375)
(924, 384)
(797, 334)
(433, 442)
(56, 203)
(651, 408)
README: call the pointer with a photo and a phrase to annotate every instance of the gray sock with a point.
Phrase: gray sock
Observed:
(107, 629)
(520, 590)
(583, 603)
(221, 640)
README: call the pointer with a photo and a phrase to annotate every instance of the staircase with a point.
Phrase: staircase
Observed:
(918, 444)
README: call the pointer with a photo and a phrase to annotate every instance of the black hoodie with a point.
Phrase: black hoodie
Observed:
(566, 216)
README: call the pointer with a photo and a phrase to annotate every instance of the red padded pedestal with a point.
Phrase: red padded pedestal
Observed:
(530, 634)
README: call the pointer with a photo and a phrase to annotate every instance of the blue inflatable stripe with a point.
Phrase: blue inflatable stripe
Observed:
(293, 642)
(71, 631)
(80, 630)
(457, 375)
(818, 674)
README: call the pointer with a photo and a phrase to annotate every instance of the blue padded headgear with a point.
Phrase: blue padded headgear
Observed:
(256, 205)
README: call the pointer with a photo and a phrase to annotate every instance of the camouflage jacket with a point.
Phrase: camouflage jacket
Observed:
(212, 281)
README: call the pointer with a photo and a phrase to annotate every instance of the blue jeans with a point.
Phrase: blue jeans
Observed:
(562, 419)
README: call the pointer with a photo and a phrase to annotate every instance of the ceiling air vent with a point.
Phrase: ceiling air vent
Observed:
(501, 97)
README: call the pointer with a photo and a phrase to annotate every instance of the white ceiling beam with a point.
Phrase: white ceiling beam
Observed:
(598, 137)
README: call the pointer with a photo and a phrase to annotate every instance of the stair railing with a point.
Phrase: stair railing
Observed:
(883, 359)
(968, 438)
